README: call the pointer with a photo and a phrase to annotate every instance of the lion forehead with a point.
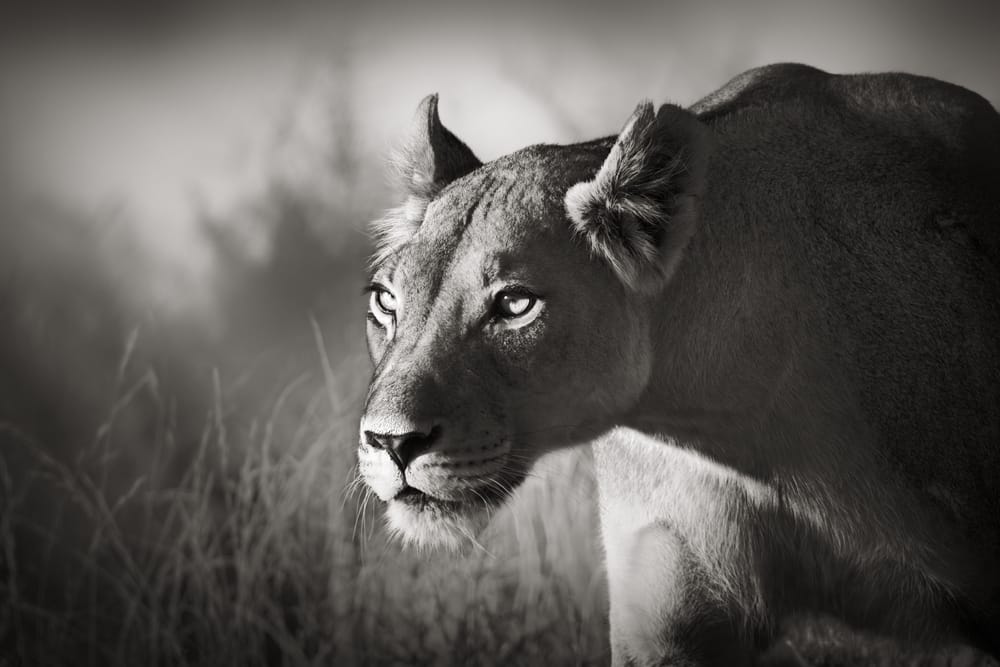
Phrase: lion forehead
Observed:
(494, 209)
(503, 201)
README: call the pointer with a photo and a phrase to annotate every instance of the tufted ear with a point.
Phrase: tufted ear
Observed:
(640, 210)
(431, 158)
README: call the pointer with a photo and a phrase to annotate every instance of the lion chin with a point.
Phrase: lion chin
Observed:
(429, 524)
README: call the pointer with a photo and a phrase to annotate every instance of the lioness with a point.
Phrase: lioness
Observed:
(776, 315)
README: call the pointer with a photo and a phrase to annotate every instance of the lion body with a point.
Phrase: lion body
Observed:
(816, 423)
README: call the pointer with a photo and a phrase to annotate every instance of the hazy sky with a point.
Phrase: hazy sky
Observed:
(184, 111)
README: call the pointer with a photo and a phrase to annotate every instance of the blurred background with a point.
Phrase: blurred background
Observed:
(184, 192)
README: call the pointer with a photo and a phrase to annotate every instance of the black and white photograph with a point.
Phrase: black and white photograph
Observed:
(626, 333)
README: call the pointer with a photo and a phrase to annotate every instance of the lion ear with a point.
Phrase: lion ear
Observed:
(432, 156)
(639, 211)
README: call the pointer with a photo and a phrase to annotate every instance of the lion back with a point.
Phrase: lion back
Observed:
(891, 185)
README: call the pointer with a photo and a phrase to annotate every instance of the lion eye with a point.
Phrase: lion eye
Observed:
(382, 306)
(514, 304)
(385, 301)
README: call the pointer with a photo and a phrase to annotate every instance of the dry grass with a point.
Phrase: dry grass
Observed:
(263, 553)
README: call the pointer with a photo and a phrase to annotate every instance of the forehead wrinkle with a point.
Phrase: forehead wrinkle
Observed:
(488, 197)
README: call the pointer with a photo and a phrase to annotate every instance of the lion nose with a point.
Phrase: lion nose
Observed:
(404, 447)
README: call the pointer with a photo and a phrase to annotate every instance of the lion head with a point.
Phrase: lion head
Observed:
(509, 308)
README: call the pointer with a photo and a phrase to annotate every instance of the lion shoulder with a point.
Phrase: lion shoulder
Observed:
(920, 122)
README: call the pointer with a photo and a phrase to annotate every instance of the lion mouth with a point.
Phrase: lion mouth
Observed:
(417, 499)
(413, 496)
(451, 517)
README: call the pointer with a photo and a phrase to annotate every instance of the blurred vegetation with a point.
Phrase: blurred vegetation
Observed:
(180, 494)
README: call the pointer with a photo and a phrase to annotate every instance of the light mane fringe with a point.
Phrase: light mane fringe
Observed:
(395, 228)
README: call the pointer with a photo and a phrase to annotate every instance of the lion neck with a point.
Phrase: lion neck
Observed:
(739, 372)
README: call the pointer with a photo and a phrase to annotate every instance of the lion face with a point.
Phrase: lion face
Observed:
(496, 333)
